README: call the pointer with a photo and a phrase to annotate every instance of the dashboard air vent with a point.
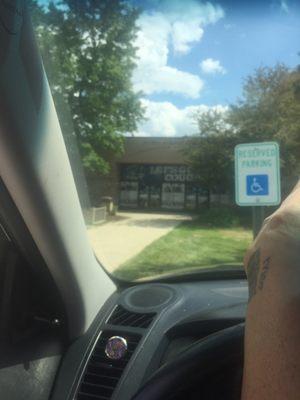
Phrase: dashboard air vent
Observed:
(123, 317)
(102, 374)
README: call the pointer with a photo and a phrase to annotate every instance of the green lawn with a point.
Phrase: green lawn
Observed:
(192, 244)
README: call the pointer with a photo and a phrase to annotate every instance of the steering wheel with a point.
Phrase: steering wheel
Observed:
(197, 364)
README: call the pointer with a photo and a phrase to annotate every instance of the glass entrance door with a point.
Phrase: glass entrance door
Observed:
(173, 196)
(149, 196)
(155, 196)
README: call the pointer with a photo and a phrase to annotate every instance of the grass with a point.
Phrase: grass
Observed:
(216, 236)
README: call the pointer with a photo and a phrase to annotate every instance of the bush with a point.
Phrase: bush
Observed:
(220, 216)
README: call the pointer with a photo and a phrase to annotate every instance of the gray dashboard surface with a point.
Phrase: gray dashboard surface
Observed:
(182, 310)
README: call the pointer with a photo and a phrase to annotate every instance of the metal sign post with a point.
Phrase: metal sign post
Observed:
(257, 178)
(258, 216)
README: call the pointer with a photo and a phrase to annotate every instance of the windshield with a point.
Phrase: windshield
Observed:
(181, 120)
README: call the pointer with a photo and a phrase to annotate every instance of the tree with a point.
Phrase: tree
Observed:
(255, 115)
(89, 56)
(289, 122)
(269, 110)
(210, 152)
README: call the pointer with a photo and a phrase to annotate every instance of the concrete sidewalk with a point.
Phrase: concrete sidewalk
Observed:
(127, 234)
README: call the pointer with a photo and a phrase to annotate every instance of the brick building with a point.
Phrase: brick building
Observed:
(151, 174)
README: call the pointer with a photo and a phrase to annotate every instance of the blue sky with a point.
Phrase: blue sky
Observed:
(241, 45)
(196, 54)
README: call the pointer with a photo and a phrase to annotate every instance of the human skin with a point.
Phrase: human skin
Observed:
(272, 338)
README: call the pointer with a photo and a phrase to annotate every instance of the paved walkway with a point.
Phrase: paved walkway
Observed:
(126, 235)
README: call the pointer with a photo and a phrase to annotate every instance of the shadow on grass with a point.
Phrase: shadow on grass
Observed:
(222, 217)
(156, 223)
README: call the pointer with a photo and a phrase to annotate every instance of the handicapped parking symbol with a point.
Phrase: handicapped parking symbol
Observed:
(257, 185)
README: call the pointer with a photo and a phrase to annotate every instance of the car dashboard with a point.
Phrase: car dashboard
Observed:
(141, 328)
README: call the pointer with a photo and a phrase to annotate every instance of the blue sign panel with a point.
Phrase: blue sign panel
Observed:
(257, 185)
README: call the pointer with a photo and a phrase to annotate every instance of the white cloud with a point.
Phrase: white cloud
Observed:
(167, 79)
(187, 19)
(176, 27)
(211, 66)
(165, 119)
(183, 34)
(284, 6)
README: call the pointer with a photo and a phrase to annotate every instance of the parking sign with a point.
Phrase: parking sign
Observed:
(257, 174)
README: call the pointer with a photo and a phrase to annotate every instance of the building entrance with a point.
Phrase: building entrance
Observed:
(167, 187)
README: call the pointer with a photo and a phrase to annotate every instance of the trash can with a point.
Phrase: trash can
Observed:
(109, 204)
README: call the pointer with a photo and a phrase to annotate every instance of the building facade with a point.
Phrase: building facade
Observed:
(151, 174)
(158, 186)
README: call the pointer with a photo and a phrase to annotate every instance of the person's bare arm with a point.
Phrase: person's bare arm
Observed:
(272, 340)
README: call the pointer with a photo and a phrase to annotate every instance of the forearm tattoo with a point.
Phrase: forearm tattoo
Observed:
(252, 272)
(257, 275)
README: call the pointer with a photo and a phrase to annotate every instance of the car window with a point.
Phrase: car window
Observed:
(181, 121)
